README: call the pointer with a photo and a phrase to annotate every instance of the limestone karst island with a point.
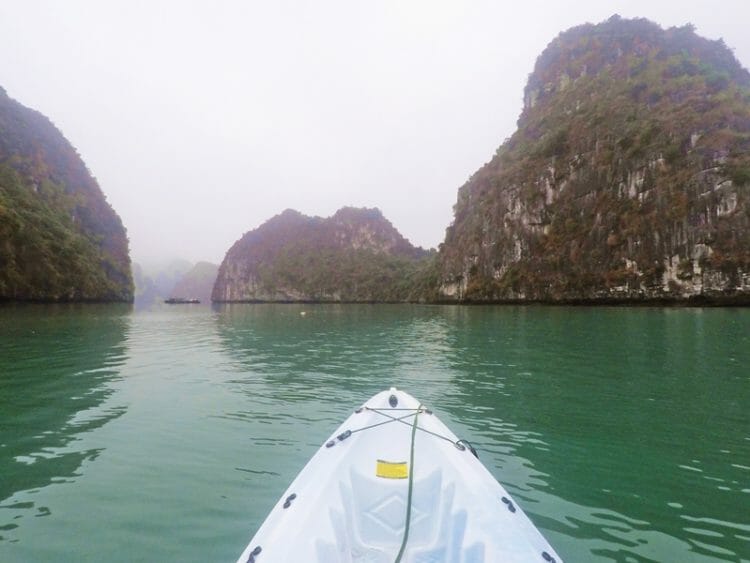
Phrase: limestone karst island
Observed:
(627, 180)
(59, 238)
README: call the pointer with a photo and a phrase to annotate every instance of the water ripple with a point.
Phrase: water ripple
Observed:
(603, 423)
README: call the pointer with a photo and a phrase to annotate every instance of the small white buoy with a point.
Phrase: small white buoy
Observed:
(303, 313)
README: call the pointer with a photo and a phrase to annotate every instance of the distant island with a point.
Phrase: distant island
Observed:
(197, 283)
(59, 238)
(627, 180)
(356, 255)
(156, 283)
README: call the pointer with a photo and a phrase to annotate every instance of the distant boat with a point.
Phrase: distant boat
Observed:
(180, 300)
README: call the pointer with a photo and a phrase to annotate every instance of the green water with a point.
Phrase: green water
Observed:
(168, 435)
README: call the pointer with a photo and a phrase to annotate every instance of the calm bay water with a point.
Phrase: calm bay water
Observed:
(168, 435)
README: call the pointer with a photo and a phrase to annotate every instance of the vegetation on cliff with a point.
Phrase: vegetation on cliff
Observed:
(628, 176)
(355, 255)
(59, 238)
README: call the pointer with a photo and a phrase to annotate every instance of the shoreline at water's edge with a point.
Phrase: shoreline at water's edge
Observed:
(695, 301)
(11, 301)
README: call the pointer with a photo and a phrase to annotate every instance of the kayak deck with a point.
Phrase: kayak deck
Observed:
(381, 478)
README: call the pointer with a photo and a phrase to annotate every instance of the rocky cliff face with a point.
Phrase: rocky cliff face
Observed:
(355, 255)
(628, 177)
(59, 238)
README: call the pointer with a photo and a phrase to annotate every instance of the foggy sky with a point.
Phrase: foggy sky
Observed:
(201, 120)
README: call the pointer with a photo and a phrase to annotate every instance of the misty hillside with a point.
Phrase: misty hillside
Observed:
(355, 255)
(197, 283)
(628, 177)
(59, 238)
(154, 282)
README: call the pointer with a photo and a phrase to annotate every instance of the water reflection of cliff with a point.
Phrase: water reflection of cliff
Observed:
(354, 350)
(301, 369)
(56, 364)
(612, 426)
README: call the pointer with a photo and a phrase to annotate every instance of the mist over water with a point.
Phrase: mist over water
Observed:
(169, 434)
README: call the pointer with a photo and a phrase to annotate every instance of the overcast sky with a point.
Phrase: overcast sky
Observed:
(201, 120)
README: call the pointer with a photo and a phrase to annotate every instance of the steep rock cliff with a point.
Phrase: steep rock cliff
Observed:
(355, 255)
(628, 177)
(59, 238)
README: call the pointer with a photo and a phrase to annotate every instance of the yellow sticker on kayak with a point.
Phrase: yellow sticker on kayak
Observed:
(392, 469)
